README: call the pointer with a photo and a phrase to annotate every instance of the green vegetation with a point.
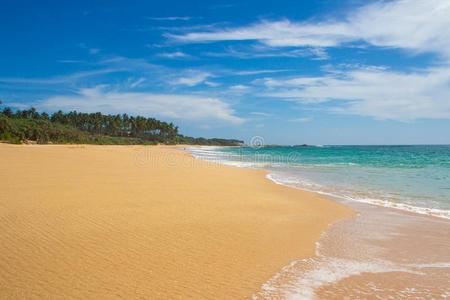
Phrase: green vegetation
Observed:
(208, 142)
(93, 128)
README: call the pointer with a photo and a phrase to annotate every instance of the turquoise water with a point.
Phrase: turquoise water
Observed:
(414, 178)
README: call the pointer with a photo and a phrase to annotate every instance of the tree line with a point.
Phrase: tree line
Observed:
(96, 128)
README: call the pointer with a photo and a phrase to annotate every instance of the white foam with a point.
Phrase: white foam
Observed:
(312, 187)
(212, 153)
(313, 273)
(439, 265)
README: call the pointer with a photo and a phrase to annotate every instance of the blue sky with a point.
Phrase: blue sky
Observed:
(316, 72)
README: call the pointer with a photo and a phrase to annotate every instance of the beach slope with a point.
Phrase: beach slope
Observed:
(94, 222)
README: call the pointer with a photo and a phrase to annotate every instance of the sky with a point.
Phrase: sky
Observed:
(290, 72)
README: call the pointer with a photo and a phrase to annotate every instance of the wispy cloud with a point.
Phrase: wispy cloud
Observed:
(301, 120)
(71, 61)
(183, 107)
(174, 55)
(101, 72)
(287, 82)
(375, 92)
(260, 114)
(416, 25)
(258, 51)
(239, 89)
(64, 79)
(137, 82)
(132, 72)
(258, 72)
(170, 18)
(122, 62)
(223, 6)
(191, 78)
(212, 83)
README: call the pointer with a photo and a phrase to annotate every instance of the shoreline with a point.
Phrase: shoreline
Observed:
(355, 256)
(403, 207)
(381, 253)
(147, 221)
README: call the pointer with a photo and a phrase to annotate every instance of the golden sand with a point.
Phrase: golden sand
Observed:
(95, 222)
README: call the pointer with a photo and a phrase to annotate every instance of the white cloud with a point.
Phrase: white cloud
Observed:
(239, 87)
(172, 18)
(71, 61)
(212, 83)
(191, 78)
(301, 120)
(279, 33)
(374, 92)
(64, 79)
(174, 55)
(137, 82)
(260, 114)
(417, 25)
(263, 51)
(188, 107)
(286, 82)
(257, 72)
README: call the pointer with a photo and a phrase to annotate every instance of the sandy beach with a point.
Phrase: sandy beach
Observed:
(93, 222)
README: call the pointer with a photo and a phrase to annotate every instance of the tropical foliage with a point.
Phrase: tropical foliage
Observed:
(92, 128)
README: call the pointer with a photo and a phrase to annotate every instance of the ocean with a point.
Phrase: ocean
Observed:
(412, 178)
(396, 246)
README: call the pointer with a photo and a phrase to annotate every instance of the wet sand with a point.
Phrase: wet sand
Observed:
(383, 253)
(96, 222)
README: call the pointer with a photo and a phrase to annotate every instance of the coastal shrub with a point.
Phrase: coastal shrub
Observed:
(7, 137)
(93, 128)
